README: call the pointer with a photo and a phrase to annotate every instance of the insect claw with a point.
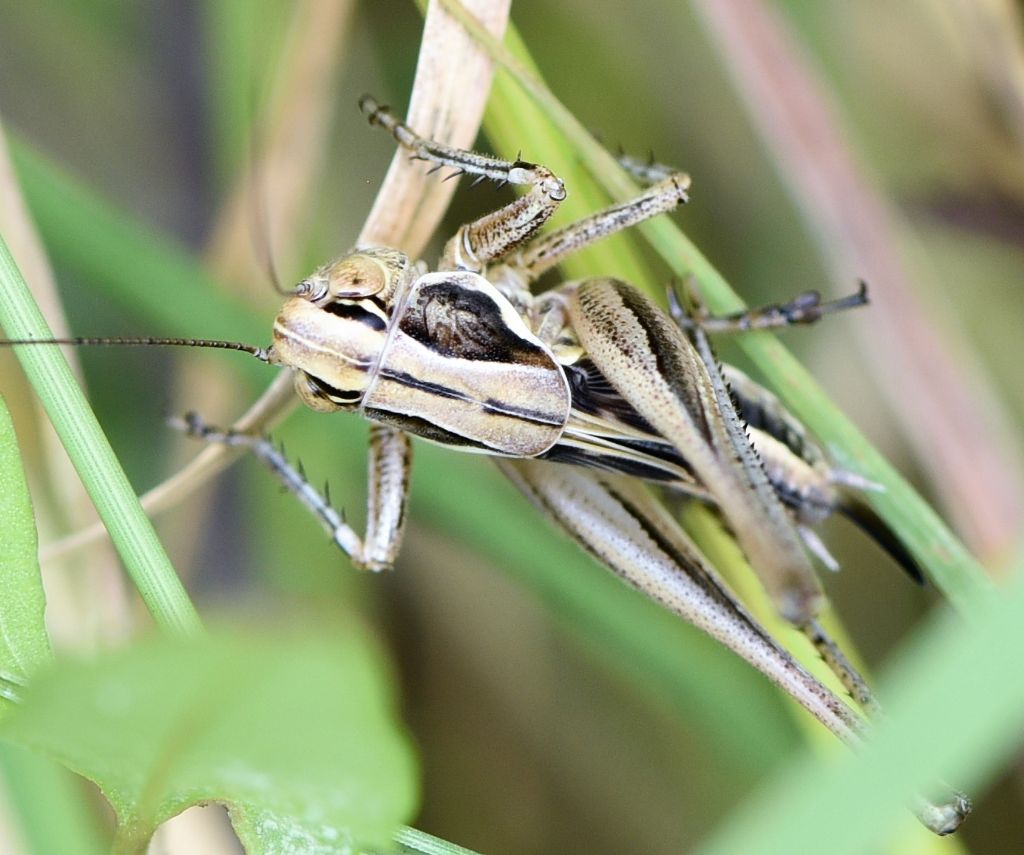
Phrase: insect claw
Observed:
(458, 173)
(433, 169)
(858, 298)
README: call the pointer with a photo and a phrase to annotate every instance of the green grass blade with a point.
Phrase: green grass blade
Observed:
(93, 458)
(415, 842)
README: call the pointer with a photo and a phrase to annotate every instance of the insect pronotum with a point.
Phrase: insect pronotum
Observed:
(581, 393)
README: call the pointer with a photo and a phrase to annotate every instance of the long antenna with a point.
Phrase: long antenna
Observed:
(261, 353)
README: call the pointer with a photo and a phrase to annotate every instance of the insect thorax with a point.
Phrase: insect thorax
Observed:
(443, 355)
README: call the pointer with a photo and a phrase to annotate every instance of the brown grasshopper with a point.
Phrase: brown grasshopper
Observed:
(592, 374)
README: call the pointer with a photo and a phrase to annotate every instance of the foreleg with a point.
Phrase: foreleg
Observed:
(545, 252)
(390, 458)
(495, 235)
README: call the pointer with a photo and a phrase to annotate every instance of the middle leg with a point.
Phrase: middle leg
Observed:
(545, 252)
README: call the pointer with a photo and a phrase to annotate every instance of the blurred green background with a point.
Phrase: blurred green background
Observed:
(542, 728)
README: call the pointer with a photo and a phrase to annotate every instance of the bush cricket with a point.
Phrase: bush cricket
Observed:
(581, 393)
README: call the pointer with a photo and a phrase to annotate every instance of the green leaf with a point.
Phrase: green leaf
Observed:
(24, 644)
(296, 735)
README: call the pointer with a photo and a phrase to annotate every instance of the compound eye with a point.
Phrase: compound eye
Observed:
(355, 276)
(313, 289)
